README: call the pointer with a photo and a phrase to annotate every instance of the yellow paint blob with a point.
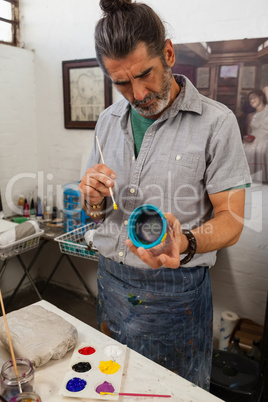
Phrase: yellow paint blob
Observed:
(115, 206)
(106, 393)
(109, 367)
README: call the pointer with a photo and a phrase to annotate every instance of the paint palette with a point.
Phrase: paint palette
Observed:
(93, 370)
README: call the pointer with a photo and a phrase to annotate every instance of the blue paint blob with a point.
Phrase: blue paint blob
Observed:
(76, 384)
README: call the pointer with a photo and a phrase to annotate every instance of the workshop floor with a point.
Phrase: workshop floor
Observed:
(80, 306)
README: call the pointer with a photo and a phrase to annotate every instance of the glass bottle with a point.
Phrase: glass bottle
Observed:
(48, 213)
(235, 348)
(255, 352)
(26, 397)
(32, 209)
(9, 380)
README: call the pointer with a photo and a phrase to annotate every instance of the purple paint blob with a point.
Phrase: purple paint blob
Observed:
(76, 384)
(104, 387)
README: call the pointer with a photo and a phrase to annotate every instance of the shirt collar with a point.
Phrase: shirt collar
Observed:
(189, 98)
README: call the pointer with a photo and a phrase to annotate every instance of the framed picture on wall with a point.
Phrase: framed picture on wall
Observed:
(228, 76)
(248, 77)
(86, 93)
(264, 75)
(202, 78)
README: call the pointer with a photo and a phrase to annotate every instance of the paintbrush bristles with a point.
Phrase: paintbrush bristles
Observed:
(9, 340)
(111, 191)
(112, 195)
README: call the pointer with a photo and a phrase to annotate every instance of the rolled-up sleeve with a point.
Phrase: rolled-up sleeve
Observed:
(227, 166)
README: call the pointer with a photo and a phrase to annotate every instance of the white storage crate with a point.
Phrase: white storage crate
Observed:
(20, 246)
(74, 243)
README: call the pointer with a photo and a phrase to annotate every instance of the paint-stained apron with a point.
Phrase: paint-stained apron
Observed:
(165, 314)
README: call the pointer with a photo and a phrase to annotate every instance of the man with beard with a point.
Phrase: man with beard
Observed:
(167, 145)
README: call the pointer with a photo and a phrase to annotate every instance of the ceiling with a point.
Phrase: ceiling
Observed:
(236, 46)
(198, 53)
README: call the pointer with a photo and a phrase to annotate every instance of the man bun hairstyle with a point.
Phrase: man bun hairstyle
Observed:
(110, 6)
(123, 26)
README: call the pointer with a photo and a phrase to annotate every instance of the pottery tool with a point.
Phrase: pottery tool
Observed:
(111, 191)
(9, 341)
(134, 394)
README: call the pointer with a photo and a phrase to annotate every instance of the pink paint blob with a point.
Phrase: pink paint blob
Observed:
(88, 350)
(105, 387)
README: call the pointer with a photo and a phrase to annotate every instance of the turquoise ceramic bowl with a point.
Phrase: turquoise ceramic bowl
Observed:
(147, 226)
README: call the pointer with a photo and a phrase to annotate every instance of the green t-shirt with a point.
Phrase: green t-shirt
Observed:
(139, 126)
(238, 187)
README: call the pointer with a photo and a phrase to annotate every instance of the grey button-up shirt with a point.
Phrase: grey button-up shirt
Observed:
(192, 150)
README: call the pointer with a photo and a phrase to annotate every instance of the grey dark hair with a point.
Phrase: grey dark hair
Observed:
(123, 26)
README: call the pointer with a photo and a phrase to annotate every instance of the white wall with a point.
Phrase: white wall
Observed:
(240, 275)
(57, 31)
(53, 31)
(18, 139)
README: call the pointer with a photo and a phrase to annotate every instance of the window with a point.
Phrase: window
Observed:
(9, 22)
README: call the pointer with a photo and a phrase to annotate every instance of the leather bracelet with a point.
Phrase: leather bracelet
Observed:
(191, 248)
(94, 206)
(95, 213)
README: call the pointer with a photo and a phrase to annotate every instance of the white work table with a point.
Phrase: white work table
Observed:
(140, 374)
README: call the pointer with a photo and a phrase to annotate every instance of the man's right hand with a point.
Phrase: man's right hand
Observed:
(94, 186)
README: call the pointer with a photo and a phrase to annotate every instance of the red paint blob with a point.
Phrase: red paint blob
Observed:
(88, 350)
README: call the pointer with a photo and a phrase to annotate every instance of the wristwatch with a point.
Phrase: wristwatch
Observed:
(191, 248)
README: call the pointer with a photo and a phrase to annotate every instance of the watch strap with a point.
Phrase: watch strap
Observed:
(191, 248)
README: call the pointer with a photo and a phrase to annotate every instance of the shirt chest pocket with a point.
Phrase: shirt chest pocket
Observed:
(175, 170)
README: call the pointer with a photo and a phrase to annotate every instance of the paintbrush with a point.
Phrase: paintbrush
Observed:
(134, 394)
(9, 341)
(111, 191)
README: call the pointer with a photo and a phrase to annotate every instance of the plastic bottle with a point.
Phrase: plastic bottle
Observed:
(21, 204)
(235, 348)
(26, 209)
(39, 208)
(32, 210)
(255, 352)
